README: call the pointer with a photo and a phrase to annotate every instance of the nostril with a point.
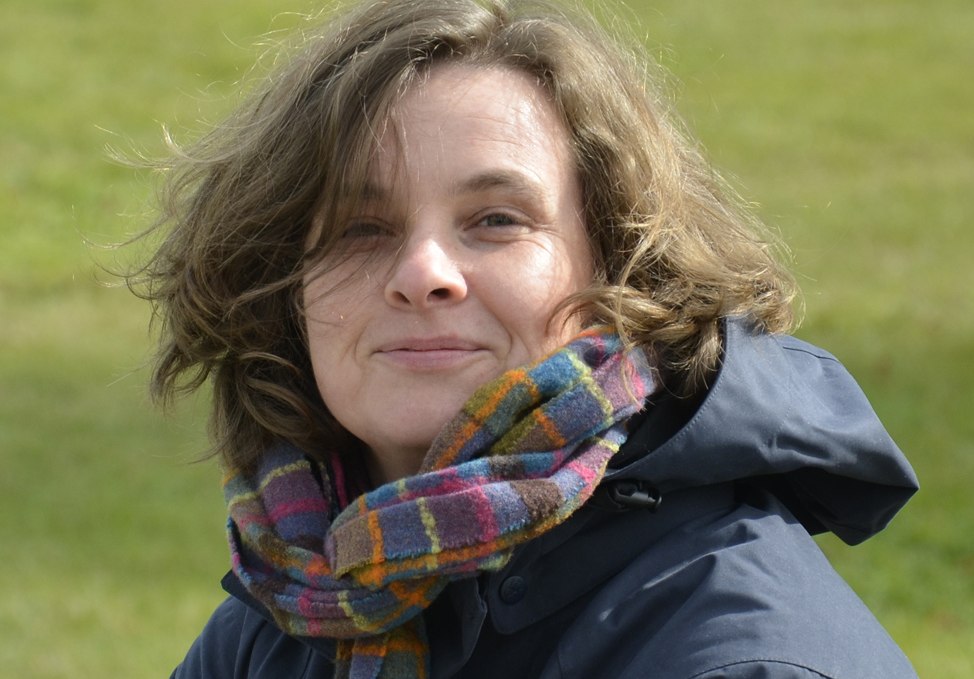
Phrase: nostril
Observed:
(439, 293)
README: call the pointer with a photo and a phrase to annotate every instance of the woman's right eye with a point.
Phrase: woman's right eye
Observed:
(362, 236)
(364, 229)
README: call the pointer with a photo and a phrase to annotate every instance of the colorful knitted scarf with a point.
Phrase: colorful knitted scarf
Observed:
(523, 454)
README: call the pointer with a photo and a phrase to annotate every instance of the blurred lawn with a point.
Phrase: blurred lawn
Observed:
(850, 122)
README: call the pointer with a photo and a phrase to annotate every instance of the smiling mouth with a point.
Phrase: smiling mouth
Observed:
(432, 354)
(430, 344)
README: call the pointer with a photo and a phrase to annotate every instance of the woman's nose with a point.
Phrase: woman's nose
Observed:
(425, 275)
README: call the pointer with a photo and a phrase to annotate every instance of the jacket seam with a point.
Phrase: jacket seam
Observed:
(820, 355)
(761, 660)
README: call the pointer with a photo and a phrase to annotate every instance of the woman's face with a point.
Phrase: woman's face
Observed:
(470, 234)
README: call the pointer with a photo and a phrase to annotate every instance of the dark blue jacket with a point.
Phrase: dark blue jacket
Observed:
(693, 560)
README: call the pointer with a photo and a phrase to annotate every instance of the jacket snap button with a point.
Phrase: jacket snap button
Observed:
(513, 589)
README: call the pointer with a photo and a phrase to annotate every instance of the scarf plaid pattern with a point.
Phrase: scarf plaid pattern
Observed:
(523, 454)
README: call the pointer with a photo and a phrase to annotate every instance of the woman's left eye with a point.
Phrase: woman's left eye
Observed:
(497, 219)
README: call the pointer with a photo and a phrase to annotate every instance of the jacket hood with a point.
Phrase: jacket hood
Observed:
(785, 416)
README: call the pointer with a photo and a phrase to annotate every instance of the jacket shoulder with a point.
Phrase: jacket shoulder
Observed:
(733, 594)
(237, 642)
(214, 652)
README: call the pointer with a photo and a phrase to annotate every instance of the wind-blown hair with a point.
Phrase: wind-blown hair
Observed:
(674, 250)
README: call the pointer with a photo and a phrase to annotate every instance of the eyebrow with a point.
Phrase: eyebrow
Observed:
(372, 192)
(514, 182)
(501, 179)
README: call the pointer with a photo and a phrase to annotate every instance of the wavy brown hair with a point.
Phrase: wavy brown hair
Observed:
(675, 251)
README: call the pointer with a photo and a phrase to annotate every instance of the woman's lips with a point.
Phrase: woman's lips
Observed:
(438, 353)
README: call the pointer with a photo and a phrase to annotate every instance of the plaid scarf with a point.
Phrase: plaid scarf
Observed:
(523, 454)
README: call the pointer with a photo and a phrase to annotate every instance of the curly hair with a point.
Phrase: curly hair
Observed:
(675, 249)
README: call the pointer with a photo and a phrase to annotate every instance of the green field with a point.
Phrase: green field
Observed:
(849, 124)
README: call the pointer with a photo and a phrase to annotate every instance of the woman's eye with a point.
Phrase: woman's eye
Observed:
(359, 237)
(498, 219)
(364, 230)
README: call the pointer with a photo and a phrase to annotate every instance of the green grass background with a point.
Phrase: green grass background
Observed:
(849, 123)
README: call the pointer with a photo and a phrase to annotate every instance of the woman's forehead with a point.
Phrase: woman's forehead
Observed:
(487, 124)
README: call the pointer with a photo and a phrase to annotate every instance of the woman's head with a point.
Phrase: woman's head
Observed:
(262, 204)
(454, 263)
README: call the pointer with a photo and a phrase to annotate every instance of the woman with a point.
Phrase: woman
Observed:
(499, 376)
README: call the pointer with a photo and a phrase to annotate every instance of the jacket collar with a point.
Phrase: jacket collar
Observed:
(786, 415)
